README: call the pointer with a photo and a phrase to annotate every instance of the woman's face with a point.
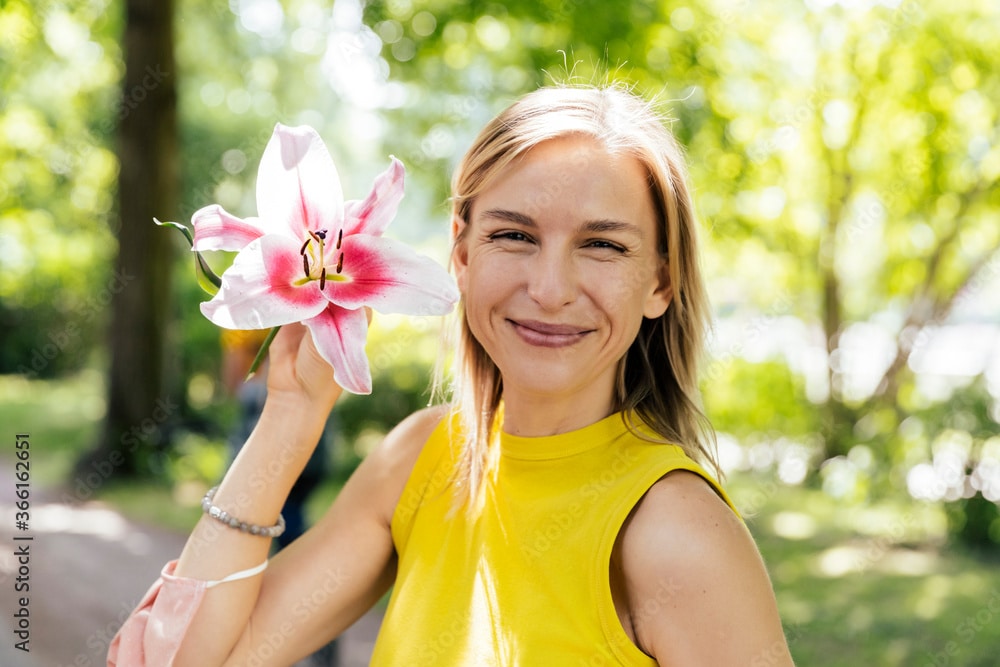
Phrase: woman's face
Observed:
(559, 266)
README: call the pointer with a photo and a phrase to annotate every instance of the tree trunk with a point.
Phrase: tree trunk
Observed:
(835, 417)
(138, 407)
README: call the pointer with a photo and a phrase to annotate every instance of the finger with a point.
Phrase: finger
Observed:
(314, 373)
(288, 339)
(309, 352)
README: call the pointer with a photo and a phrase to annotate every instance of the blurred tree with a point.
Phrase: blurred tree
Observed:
(57, 77)
(901, 182)
(138, 405)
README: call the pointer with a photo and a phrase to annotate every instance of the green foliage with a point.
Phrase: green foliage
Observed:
(960, 436)
(750, 400)
(59, 415)
(57, 174)
(197, 367)
(975, 521)
(199, 461)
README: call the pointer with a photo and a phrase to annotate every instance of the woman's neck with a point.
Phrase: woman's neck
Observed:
(531, 415)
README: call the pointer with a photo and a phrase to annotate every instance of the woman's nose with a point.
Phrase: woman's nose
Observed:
(552, 281)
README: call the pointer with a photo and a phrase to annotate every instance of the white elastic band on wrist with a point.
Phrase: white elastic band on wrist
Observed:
(236, 576)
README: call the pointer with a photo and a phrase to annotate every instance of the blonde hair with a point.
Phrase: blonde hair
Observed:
(658, 381)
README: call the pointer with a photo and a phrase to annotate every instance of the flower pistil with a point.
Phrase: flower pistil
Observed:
(314, 249)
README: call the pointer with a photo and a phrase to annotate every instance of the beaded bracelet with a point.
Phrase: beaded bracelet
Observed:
(253, 529)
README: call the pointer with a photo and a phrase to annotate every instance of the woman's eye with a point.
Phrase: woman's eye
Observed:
(509, 236)
(602, 244)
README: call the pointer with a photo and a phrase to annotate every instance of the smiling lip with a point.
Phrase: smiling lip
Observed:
(544, 334)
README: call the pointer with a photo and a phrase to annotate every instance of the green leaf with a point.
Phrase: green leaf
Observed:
(178, 226)
(207, 278)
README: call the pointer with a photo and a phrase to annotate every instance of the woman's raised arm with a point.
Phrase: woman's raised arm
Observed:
(313, 589)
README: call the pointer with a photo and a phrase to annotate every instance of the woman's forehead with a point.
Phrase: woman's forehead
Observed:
(574, 174)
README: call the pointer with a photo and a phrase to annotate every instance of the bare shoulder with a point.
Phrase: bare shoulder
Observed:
(697, 590)
(683, 503)
(403, 444)
(684, 532)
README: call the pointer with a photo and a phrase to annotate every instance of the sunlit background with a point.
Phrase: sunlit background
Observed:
(844, 157)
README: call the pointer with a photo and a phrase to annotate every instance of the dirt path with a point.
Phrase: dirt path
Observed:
(88, 568)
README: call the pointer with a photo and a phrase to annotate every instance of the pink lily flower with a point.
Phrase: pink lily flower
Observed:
(310, 257)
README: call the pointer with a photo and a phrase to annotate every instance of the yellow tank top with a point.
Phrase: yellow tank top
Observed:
(524, 582)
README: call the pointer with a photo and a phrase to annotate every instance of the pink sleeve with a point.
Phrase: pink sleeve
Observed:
(151, 636)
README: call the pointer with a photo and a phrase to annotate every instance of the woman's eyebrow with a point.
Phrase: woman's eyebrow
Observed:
(591, 226)
(509, 216)
(602, 226)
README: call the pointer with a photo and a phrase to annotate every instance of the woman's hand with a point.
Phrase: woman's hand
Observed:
(296, 370)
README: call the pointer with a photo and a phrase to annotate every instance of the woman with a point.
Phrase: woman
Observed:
(543, 517)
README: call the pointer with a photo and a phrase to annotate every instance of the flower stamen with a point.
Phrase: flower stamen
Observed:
(314, 268)
(340, 263)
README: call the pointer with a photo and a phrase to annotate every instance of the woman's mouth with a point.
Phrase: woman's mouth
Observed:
(548, 334)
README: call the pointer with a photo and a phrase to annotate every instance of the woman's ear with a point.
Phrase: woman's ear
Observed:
(459, 251)
(659, 299)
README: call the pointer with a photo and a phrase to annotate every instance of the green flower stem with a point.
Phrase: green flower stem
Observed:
(261, 353)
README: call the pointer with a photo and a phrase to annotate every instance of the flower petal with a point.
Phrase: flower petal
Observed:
(217, 229)
(391, 278)
(297, 183)
(340, 336)
(260, 289)
(373, 214)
